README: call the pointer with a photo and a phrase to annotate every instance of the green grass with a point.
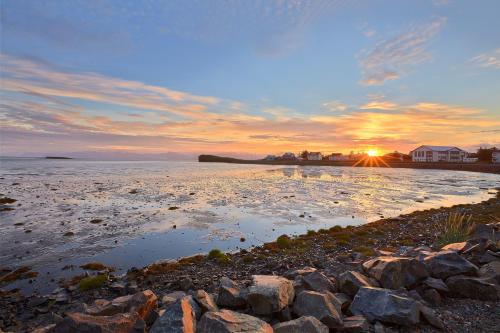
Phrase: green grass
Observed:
(92, 282)
(311, 232)
(367, 251)
(219, 256)
(284, 242)
(455, 229)
(335, 228)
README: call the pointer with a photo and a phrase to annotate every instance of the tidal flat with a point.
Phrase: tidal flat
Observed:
(131, 214)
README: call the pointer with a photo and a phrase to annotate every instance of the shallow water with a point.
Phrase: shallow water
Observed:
(215, 205)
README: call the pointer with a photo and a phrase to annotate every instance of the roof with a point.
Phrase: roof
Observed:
(438, 148)
(314, 152)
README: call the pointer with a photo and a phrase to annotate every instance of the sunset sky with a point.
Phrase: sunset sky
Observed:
(247, 78)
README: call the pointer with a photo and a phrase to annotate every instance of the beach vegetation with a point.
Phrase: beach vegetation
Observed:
(218, 256)
(94, 266)
(336, 228)
(367, 251)
(284, 242)
(455, 229)
(92, 282)
(311, 232)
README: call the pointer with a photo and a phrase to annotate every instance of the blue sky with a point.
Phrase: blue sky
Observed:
(248, 77)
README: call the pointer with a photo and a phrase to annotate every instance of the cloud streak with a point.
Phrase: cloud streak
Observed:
(488, 60)
(392, 58)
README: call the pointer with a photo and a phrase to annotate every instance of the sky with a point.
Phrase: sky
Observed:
(247, 78)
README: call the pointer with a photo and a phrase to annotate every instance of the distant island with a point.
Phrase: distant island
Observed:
(57, 158)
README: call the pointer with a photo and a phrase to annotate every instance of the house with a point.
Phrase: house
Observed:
(288, 156)
(495, 156)
(395, 156)
(437, 154)
(314, 156)
(338, 157)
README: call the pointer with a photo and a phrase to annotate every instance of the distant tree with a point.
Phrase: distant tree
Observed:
(484, 154)
(304, 154)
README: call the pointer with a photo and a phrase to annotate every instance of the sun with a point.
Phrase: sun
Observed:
(372, 152)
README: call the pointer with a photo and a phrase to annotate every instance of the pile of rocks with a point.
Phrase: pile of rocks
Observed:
(389, 291)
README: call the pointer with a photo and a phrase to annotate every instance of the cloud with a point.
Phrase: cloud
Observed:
(392, 58)
(335, 106)
(488, 60)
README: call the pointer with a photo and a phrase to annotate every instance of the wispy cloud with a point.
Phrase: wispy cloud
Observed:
(394, 57)
(488, 60)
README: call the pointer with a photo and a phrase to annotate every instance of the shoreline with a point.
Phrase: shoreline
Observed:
(334, 250)
(378, 163)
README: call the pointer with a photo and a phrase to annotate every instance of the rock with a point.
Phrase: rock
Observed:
(84, 323)
(491, 271)
(430, 316)
(186, 284)
(142, 302)
(205, 301)
(226, 321)
(488, 257)
(303, 324)
(457, 247)
(319, 305)
(355, 324)
(179, 316)
(230, 294)
(172, 297)
(350, 282)
(486, 231)
(45, 329)
(396, 272)
(377, 304)
(317, 281)
(291, 274)
(437, 284)
(432, 297)
(471, 287)
(444, 264)
(269, 294)
(344, 300)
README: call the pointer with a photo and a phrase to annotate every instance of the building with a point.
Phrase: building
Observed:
(314, 156)
(270, 158)
(338, 157)
(437, 154)
(288, 156)
(495, 156)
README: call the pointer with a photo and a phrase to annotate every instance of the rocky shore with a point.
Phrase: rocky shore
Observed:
(393, 275)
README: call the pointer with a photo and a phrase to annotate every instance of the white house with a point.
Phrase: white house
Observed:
(437, 154)
(314, 156)
(495, 156)
(338, 157)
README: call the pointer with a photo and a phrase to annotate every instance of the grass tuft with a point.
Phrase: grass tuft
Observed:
(92, 282)
(455, 229)
(284, 242)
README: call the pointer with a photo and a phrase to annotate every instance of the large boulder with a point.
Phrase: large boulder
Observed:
(143, 302)
(204, 300)
(471, 287)
(444, 264)
(396, 272)
(230, 294)
(491, 271)
(355, 324)
(85, 323)
(486, 231)
(227, 321)
(179, 316)
(301, 325)
(269, 294)
(322, 306)
(172, 297)
(437, 284)
(351, 281)
(317, 281)
(377, 304)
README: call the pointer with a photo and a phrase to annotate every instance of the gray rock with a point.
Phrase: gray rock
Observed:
(430, 316)
(303, 324)
(432, 297)
(230, 294)
(471, 287)
(351, 281)
(226, 321)
(84, 323)
(172, 297)
(344, 300)
(487, 231)
(204, 300)
(143, 303)
(291, 274)
(456, 247)
(269, 294)
(322, 306)
(356, 324)
(179, 316)
(186, 284)
(444, 264)
(488, 256)
(491, 271)
(318, 281)
(377, 304)
(437, 284)
(396, 272)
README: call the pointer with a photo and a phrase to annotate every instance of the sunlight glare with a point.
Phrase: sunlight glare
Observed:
(372, 152)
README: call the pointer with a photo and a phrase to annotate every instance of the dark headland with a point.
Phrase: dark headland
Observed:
(57, 158)
(379, 162)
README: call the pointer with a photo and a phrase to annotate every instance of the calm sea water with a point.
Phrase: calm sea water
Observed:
(161, 210)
